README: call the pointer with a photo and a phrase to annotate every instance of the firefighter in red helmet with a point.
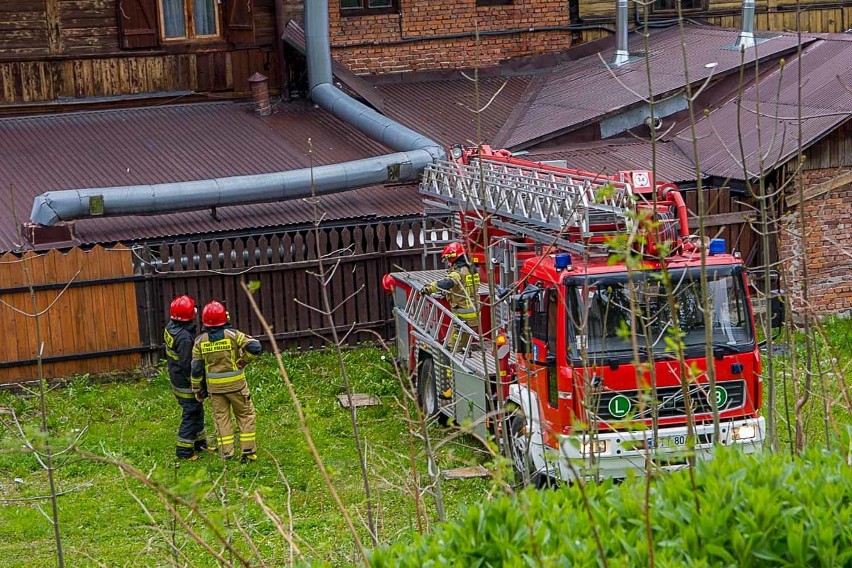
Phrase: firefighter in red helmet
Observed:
(179, 336)
(219, 355)
(461, 290)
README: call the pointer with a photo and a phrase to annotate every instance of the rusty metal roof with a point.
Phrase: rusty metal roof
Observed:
(766, 120)
(184, 143)
(444, 110)
(584, 91)
(611, 156)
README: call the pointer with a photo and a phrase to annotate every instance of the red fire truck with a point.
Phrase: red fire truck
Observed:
(575, 359)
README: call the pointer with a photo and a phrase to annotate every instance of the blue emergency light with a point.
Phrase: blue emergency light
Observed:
(562, 261)
(717, 246)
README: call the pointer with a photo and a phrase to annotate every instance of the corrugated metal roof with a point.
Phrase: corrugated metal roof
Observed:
(183, 143)
(578, 92)
(444, 110)
(611, 156)
(766, 121)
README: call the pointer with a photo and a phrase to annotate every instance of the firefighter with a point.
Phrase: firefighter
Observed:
(461, 289)
(179, 336)
(219, 355)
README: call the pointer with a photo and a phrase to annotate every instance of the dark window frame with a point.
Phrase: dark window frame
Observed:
(189, 23)
(483, 3)
(365, 10)
(668, 11)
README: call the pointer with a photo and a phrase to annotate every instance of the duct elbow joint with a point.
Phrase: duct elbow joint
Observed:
(43, 212)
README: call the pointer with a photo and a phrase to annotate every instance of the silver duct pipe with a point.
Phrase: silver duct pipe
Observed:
(622, 55)
(415, 152)
(746, 38)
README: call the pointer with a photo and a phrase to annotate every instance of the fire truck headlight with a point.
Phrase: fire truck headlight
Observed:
(596, 446)
(746, 432)
(457, 151)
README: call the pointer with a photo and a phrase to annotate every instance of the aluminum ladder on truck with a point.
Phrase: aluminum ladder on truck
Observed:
(430, 319)
(536, 202)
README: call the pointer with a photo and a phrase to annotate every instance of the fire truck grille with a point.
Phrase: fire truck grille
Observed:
(670, 401)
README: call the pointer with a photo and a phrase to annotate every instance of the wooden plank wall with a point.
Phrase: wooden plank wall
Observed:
(834, 151)
(817, 16)
(731, 217)
(48, 80)
(285, 265)
(92, 315)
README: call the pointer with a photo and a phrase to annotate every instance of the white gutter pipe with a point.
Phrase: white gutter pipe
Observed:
(414, 152)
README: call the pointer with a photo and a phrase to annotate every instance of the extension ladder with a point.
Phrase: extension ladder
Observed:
(528, 199)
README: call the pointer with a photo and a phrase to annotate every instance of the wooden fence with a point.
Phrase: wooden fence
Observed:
(87, 303)
(286, 267)
(111, 316)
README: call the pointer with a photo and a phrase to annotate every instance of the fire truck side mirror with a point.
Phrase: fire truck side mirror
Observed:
(521, 307)
(775, 302)
(776, 309)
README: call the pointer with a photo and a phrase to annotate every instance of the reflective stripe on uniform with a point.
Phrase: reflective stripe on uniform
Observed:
(182, 392)
(225, 440)
(172, 355)
(182, 444)
(226, 377)
(247, 436)
(466, 315)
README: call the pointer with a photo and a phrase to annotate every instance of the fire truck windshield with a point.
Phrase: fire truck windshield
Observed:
(605, 311)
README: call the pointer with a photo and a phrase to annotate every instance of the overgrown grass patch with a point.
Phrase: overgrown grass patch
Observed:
(136, 422)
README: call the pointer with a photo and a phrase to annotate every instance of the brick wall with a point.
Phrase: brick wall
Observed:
(401, 41)
(828, 242)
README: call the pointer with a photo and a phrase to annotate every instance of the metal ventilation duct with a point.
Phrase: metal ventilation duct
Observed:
(622, 54)
(414, 152)
(746, 38)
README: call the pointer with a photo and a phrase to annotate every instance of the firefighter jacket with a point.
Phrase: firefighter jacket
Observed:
(460, 288)
(219, 354)
(179, 337)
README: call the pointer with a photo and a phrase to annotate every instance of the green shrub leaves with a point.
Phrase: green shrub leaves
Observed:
(764, 510)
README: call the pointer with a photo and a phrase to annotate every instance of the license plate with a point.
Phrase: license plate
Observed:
(678, 441)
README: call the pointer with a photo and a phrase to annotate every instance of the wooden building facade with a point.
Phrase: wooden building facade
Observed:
(815, 16)
(62, 50)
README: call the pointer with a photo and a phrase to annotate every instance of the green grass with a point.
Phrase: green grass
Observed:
(136, 422)
(831, 363)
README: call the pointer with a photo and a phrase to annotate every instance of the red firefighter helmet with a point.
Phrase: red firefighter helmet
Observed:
(182, 308)
(452, 251)
(214, 315)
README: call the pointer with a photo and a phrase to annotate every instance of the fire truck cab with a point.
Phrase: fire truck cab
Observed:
(587, 364)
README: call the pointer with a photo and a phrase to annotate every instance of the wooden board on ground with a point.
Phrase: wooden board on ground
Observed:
(465, 472)
(359, 400)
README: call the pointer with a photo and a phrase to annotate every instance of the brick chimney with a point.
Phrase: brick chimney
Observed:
(260, 94)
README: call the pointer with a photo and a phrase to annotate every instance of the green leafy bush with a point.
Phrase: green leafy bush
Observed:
(764, 510)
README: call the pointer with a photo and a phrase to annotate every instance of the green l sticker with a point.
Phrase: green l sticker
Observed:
(619, 406)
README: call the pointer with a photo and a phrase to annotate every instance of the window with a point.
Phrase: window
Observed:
(367, 7)
(602, 314)
(184, 19)
(143, 24)
(671, 6)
